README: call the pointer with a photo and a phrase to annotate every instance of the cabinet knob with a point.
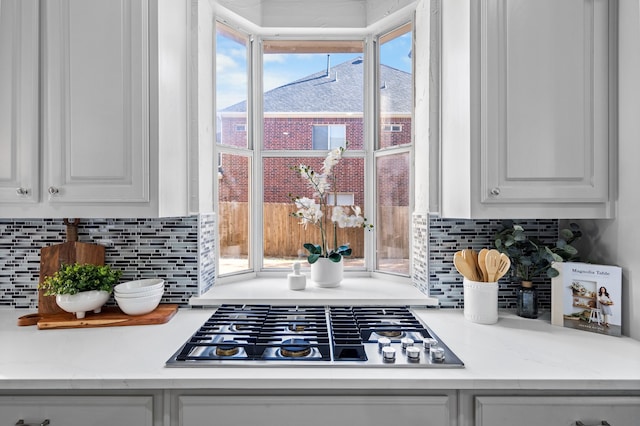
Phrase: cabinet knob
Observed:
(53, 190)
(22, 191)
(495, 191)
(602, 423)
(22, 423)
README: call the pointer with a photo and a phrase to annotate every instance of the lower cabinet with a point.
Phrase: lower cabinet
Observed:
(75, 410)
(556, 410)
(201, 410)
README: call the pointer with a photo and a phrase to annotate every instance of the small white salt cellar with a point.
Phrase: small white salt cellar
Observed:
(297, 281)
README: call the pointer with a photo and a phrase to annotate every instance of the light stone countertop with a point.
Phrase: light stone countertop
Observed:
(515, 353)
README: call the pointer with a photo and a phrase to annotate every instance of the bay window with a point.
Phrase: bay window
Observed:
(314, 95)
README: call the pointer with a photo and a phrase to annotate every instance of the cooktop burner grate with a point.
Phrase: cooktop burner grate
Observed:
(314, 335)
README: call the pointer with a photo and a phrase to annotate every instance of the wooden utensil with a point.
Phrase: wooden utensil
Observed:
(471, 256)
(482, 264)
(492, 263)
(503, 266)
(463, 266)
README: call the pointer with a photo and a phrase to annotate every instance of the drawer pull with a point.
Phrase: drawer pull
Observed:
(22, 423)
(602, 423)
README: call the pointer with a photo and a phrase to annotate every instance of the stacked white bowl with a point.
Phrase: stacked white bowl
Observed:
(139, 297)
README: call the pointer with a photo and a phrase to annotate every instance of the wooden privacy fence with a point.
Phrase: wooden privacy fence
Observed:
(284, 236)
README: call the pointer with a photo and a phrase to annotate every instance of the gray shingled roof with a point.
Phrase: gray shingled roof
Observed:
(341, 91)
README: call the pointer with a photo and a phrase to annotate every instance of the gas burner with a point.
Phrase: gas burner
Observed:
(297, 327)
(389, 333)
(295, 348)
(239, 327)
(228, 348)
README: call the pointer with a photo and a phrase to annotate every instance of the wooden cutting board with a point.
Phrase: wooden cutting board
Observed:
(68, 253)
(111, 316)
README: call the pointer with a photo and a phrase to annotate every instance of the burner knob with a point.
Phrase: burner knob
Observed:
(429, 343)
(384, 341)
(436, 354)
(406, 342)
(413, 354)
(388, 354)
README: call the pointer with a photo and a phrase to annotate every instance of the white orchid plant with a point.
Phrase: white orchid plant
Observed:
(315, 210)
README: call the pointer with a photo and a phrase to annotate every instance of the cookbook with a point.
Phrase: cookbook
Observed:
(587, 297)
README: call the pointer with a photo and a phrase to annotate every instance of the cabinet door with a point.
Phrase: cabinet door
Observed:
(544, 89)
(315, 411)
(19, 167)
(556, 410)
(96, 102)
(77, 411)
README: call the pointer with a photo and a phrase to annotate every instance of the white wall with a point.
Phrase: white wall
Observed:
(617, 241)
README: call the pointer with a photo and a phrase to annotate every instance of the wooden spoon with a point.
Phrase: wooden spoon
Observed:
(465, 269)
(492, 262)
(503, 265)
(482, 264)
(471, 257)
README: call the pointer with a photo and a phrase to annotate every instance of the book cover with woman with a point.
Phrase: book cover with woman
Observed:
(588, 297)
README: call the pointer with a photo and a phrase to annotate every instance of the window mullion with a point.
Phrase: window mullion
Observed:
(257, 250)
(370, 136)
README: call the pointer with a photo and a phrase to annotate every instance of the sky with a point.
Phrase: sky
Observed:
(280, 69)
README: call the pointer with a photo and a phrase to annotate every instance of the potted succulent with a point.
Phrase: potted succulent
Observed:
(81, 287)
(530, 258)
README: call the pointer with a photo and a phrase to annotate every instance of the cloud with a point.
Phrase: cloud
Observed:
(275, 58)
(224, 63)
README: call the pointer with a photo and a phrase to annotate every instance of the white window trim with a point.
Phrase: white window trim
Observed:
(255, 119)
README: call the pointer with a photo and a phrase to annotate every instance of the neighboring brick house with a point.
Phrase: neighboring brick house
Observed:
(290, 120)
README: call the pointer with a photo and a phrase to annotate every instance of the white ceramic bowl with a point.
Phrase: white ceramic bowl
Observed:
(139, 285)
(82, 302)
(138, 305)
(150, 292)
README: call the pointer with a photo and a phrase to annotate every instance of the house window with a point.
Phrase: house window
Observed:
(302, 120)
(329, 136)
(341, 199)
(313, 98)
(392, 127)
(234, 158)
(393, 198)
(240, 128)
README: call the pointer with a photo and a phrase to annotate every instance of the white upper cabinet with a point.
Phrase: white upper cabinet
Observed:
(528, 109)
(113, 137)
(19, 101)
(96, 101)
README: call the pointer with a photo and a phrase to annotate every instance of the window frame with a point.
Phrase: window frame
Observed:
(370, 38)
(382, 36)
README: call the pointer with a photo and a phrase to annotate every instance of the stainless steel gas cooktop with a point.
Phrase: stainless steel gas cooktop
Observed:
(264, 335)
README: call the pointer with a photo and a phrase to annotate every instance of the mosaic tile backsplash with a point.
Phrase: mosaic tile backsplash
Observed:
(446, 236)
(182, 251)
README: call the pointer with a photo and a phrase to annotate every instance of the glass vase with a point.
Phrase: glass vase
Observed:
(527, 300)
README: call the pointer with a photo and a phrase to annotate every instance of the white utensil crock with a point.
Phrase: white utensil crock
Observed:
(480, 302)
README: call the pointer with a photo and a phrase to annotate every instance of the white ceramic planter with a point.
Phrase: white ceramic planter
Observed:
(82, 302)
(326, 273)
